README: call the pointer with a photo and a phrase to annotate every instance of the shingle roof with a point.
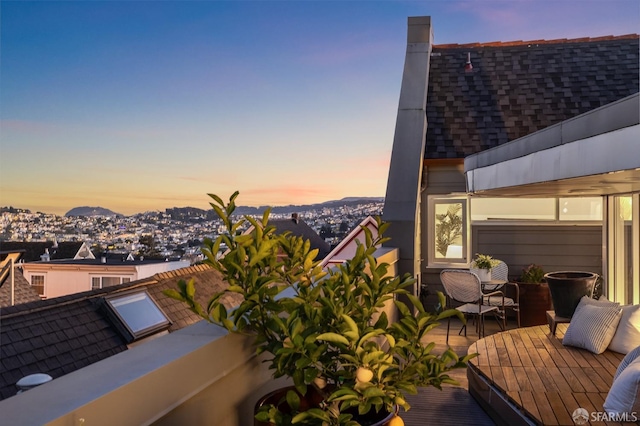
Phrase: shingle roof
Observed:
(517, 88)
(33, 250)
(60, 335)
(22, 292)
(299, 228)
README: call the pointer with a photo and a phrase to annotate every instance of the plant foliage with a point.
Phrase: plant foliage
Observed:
(323, 329)
(484, 261)
(532, 274)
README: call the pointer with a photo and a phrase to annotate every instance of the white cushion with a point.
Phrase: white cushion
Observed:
(627, 335)
(623, 395)
(592, 326)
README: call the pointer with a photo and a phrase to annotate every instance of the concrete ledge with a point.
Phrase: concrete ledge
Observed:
(197, 375)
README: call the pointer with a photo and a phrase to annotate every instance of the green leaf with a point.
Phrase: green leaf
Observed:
(333, 338)
(293, 400)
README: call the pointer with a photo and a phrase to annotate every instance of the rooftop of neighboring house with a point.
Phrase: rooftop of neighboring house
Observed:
(513, 89)
(299, 228)
(23, 292)
(60, 335)
(33, 250)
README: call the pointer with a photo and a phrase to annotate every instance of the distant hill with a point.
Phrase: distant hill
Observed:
(348, 201)
(194, 214)
(91, 211)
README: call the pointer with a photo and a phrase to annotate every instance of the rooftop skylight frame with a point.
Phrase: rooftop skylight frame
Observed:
(136, 314)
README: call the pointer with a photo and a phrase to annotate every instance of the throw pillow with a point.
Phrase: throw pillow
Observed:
(627, 335)
(628, 359)
(592, 327)
(623, 396)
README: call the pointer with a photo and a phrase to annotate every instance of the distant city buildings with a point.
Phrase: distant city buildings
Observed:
(170, 235)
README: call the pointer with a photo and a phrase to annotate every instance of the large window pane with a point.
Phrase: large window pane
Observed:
(585, 208)
(513, 209)
(621, 250)
(448, 230)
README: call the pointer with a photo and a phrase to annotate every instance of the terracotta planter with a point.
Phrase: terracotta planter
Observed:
(567, 288)
(313, 399)
(535, 301)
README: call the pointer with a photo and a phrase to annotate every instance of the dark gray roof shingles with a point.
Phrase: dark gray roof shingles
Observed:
(518, 88)
(60, 335)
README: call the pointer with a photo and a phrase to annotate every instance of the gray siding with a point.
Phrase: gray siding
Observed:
(442, 180)
(555, 248)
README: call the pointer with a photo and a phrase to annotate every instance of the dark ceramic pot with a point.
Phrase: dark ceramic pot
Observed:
(567, 288)
(313, 399)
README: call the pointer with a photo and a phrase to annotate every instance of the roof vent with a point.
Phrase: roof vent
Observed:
(45, 257)
(468, 67)
(32, 380)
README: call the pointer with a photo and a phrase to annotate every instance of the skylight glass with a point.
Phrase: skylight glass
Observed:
(137, 314)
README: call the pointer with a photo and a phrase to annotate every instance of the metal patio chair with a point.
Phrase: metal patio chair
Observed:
(464, 287)
(510, 291)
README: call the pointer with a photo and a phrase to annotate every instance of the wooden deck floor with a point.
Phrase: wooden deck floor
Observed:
(453, 405)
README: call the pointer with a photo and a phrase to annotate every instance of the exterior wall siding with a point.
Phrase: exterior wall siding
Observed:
(555, 248)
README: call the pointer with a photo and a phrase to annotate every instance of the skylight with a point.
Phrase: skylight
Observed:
(136, 315)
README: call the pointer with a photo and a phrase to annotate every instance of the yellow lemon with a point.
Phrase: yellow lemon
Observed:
(396, 421)
(364, 375)
(320, 382)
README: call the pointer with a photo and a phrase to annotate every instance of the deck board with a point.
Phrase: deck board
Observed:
(546, 379)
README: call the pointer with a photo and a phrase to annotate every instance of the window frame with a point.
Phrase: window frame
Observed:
(121, 322)
(36, 287)
(92, 277)
(432, 202)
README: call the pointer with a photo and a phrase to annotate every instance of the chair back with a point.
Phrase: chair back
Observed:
(461, 285)
(500, 272)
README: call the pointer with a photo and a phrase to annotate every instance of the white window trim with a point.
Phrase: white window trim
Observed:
(44, 283)
(432, 201)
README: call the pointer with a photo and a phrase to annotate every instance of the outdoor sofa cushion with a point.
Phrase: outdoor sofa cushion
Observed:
(627, 335)
(623, 396)
(593, 325)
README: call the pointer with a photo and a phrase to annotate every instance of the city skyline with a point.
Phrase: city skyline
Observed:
(137, 106)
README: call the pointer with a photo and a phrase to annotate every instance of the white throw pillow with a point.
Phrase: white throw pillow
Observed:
(623, 396)
(627, 335)
(592, 326)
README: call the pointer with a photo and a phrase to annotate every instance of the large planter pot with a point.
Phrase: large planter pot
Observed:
(535, 301)
(313, 399)
(567, 288)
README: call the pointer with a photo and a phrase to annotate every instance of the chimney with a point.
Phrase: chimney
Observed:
(294, 217)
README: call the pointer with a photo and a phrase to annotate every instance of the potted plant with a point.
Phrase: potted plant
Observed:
(328, 331)
(484, 264)
(535, 299)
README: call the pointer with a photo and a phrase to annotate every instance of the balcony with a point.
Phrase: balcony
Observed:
(196, 375)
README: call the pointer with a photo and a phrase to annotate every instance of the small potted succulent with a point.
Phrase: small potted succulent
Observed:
(328, 331)
(483, 264)
(535, 299)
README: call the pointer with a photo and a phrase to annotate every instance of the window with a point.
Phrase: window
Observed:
(623, 224)
(37, 282)
(513, 208)
(585, 208)
(561, 209)
(136, 315)
(102, 282)
(447, 230)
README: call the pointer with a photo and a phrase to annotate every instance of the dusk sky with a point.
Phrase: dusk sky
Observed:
(145, 105)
